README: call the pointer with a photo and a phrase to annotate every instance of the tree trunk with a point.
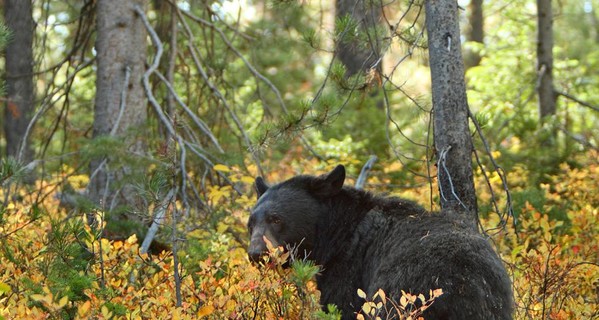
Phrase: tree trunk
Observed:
(121, 57)
(547, 97)
(450, 110)
(475, 32)
(594, 24)
(19, 77)
(358, 57)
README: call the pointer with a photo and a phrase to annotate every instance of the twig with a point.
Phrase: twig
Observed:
(158, 214)
(176, 259)
(365, 171)
(123, 104)
(497, 169)
(201, 124)
(578, 138)
(580, 102)
(45, 108)
(152, 68)
(195, 56)
(441, 165)
(249, 66)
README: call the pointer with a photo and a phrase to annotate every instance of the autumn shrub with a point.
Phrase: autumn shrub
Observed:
(54, 265)
(554, 258)
(408, 306)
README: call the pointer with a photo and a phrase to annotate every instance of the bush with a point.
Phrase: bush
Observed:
(56, 266)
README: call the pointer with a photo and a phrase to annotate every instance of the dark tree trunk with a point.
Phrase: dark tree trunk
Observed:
(121, 56)
(547, 97)
(19, 77)
(475, 32)
(356, 56)
(450, 110)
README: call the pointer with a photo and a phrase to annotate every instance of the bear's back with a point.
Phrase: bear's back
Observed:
(401, 246)
(426, 251)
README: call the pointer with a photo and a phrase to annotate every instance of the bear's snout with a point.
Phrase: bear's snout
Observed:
(255, 255)
(257, 248)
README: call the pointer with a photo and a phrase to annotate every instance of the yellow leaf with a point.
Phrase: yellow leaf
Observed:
(403, 301)
(205, 310)
(63, 302)
(221, 168)
(37, 297)
(382, 294)
(84, 309)
(230, 305)
(361, 294)
(106, 313)
(366, 308)
(132, 239)
(247, 179)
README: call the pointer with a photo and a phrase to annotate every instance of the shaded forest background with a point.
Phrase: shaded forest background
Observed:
(133, 131)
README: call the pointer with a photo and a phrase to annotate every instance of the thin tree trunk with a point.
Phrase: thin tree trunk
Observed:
(358, 57)
(547, 96)
(19, 77)
(475, 32)
(120, 105)
(594, 24)
(450, 110)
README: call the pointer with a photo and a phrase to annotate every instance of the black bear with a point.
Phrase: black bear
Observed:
(364, 241)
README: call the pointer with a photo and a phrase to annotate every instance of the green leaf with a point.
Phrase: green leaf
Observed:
(4, 288)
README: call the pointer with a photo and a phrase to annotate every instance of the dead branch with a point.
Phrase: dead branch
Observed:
(365, 171)
(575, 99)
(158, 216)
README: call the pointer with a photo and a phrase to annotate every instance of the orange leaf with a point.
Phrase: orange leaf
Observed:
(205, 310)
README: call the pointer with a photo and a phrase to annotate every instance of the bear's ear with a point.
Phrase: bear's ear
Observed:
(332, 183)
(260, 186)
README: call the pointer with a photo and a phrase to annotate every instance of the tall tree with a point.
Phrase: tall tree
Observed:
(475, 32)
(453, 144)
(19, 77)
(545, 89)
(359, 54)
(120, 104)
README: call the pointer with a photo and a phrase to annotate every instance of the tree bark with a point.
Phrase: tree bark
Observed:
(358, 57)
(475, 32)
(450, 110)
(19, 77)
(545, 90)
(120, 104)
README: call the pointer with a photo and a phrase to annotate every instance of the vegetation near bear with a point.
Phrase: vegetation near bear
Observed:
(369, 242)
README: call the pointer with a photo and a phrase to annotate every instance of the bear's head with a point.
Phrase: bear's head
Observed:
(287, 213)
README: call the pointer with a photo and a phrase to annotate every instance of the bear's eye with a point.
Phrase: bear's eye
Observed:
(274, 219)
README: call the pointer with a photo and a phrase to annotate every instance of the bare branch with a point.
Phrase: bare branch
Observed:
(580, 102)
(123, 101)
(496, 168)
(441, 164)
(364, 173)
(158, 217)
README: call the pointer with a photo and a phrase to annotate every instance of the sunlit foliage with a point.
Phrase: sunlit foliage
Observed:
(55, 265)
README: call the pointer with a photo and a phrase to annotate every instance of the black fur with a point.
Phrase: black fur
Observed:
(369, 242)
